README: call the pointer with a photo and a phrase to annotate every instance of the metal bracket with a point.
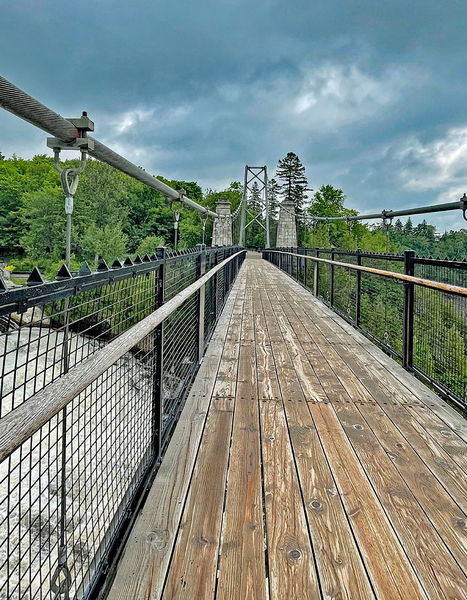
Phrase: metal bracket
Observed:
(61, 589)
(464, 208)
(387, 220)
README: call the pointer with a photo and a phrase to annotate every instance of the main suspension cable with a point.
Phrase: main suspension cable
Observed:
(29, 109)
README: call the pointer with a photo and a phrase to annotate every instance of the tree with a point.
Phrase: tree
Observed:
(149, 245)
(295, 185)
(43, 217)
(273, 198)
(254, 202)
(2, 157)
(108, 242)
(328, 201)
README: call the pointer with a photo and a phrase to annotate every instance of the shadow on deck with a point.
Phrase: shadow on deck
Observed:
(306, 464)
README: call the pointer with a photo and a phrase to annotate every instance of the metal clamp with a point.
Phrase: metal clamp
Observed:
(464, 207)
(61, 589)
(387, 219)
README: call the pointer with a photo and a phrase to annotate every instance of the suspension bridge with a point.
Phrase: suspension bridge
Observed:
(217, 423)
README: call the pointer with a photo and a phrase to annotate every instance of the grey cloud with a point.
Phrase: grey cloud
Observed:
(195, 90)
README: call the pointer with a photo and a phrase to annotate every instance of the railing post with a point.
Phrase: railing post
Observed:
(331, 284)
(214, 285)
(305, 267)
(297, 272)
(409, 295)
(157, 388)
(359, 288)
(316, 275)
(200, 271)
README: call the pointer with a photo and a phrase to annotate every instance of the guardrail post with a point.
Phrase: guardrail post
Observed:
(331, 285)
(359, 288)
(409, 306)
(305, 267)
(316, 275)
(214, 284)
(157, 388)
(200, 271)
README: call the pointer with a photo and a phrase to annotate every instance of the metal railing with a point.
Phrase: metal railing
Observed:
(95, 370)
(414, 308)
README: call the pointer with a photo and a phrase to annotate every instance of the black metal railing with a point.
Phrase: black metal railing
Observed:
(92, 387)
(421, 326)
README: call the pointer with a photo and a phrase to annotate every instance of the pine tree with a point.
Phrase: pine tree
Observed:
(295, 185)
(255, 232)
(273, 198)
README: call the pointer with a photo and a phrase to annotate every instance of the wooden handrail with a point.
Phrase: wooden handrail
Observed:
(22, 422)
(445, 287)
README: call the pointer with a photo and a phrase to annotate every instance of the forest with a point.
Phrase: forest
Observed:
(115, 215)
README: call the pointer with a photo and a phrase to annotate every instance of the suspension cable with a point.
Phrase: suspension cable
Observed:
(390, 214)
(28, 108)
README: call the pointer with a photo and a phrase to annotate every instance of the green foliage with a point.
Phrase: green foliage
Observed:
(149, 245)
(295, 185)
(108, 242)
(43, 216)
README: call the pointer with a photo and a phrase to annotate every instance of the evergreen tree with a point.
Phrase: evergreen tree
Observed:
(295, 185)
(408, 227)
(255, 233)
(273, 198)
(254, 202)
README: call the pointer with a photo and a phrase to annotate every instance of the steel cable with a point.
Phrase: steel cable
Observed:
(29, 109)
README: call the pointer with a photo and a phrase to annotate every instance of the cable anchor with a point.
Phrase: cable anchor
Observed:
(464, 207)
(61, 588)
(69, 177)
(387, 218)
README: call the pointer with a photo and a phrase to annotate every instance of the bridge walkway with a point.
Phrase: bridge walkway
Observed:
(306, 464)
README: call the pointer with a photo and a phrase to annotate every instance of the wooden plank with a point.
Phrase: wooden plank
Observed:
(383, 369)
(391, 573)
(242, 562)
(439, 572)
(340, 568)
(143, 566)
(290, 557)
(406, 383)
(193, 568)
(430, 439)
(356, 492)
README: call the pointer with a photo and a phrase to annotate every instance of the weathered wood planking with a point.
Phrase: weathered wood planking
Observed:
(143, 567)
(242, 561)
(341, 477)
(340, 569)
(437, 569)
(390, 571)
(193, 567)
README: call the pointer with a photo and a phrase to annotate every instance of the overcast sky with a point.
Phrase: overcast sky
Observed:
(371, 96)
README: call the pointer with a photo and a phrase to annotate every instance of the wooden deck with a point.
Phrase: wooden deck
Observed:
(306, 464)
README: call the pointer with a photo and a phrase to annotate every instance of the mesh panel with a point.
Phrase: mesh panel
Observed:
(375, 303)
(67, 491)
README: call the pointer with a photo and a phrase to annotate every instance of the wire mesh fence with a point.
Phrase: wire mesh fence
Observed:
(423, 328)
(69, 490)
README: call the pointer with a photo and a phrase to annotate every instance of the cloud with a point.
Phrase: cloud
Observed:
(439, 165)
(370, 96)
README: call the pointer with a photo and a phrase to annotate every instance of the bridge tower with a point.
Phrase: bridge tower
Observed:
(222, 227)
(260, 176)
(286, 226)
